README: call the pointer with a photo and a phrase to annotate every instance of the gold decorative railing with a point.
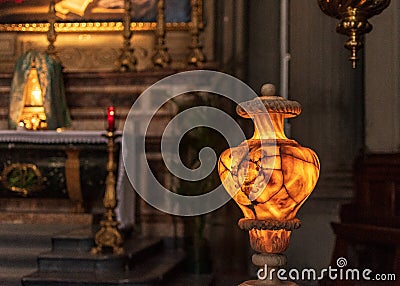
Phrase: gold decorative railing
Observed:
(127, 61)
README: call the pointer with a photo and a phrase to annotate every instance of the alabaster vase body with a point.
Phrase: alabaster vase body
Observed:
(269, 176)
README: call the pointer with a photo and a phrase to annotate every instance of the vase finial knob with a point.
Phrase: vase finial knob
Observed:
(268, 89)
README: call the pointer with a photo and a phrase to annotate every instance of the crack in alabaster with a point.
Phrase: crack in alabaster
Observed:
(248, 174)
(266, 188)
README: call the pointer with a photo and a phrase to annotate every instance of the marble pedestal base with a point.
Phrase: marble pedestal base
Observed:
(269, 262)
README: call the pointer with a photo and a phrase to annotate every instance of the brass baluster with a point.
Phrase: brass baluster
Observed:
(161, 57)
(197, 57)
(127, 60)
(51, 32)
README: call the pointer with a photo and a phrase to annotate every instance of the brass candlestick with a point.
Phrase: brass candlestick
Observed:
(109, 236)
(353, 16)
(127, 60)
(161, 57)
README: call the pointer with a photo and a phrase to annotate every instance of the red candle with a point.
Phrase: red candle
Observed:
(111, 118)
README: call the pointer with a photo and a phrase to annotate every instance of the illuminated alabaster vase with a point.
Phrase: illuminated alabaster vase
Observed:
(269, 177)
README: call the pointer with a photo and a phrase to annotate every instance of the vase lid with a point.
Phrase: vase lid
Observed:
(269, 102)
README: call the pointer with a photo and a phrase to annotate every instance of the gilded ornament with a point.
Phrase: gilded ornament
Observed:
(353, 16)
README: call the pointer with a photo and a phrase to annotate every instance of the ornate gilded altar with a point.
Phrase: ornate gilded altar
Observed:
(51, 165)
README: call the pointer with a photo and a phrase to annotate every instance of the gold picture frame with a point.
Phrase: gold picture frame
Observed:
(36, 20)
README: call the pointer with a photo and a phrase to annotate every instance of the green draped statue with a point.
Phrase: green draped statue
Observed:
(51, 82)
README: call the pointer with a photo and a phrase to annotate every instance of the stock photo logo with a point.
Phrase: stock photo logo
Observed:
(340, 272)
(137, 127)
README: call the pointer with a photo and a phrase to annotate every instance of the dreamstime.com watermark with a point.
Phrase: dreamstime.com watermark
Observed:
(331, 273)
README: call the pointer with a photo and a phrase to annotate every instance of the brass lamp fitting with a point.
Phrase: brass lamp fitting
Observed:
(353, 16)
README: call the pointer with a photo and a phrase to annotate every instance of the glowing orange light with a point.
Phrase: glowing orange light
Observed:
(269, 175)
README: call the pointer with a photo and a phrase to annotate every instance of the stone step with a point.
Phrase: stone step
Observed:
(31, 235)
(37, 229)
(185, 279)
(63, 258)
(80, 240)
(150, 272)
(20, 257)
(20, 246)
(45, 218)
(141, 247)
(11, 276)
(68, 261)
(39, 205)
(159, 267)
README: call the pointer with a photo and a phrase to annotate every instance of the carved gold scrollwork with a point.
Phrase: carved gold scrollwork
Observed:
(22, 179)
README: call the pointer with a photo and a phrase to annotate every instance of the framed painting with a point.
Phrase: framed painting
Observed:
(93, 15)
